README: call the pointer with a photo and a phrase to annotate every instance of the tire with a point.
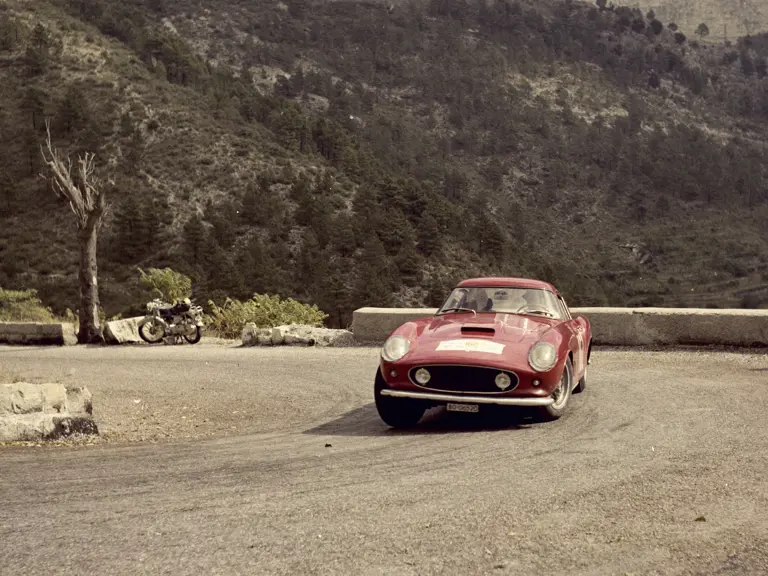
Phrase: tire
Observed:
(582, 383)
(196, 338)
(396, 412)
(146, 338)
(556, 410)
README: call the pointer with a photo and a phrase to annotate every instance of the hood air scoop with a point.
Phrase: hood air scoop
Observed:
(480, 330)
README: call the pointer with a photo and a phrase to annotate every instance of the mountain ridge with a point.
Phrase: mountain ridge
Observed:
(724, 19)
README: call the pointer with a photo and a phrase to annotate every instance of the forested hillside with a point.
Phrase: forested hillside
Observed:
(355, 153)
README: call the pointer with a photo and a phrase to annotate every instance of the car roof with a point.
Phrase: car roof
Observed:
(498, 282)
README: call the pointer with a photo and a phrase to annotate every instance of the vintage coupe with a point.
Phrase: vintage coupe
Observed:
(495, 341)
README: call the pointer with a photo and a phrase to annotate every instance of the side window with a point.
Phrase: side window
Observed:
(553, 305)
(566, 313)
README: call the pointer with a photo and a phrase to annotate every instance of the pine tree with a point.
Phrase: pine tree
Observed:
(8, 191)
(314, 209)
(134, 232)
(396, 232)
(225, 278)
(438, 289)
(280, 281)
(288, 124)
(310, 267)
(255, 265)
(409, 263)
(335, 291)
(194, 235)
(367, 214)
(222, 218)
(375, 276)
(428, 235)
(414, 200)
(34, 106)
(261, 206)
(73, 113)
(302, 194)
(135, 151)
(37, 55)
(491, 243)
(342, 235)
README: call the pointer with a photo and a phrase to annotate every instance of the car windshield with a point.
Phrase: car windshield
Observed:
(503, 300)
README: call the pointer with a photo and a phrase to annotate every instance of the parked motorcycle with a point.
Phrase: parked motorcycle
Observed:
(180, 320)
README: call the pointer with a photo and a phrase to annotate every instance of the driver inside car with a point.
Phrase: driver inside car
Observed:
(534, 300)
(482, 302)
(507, 301)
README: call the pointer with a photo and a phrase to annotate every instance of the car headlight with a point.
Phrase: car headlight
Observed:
(542, 357)
(395, 348)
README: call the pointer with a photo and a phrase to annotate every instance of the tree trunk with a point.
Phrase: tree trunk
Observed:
(90, 323)
(88, 204)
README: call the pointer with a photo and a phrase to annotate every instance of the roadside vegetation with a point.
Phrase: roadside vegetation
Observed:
(263, 310)
(225, 321)
(23, 306)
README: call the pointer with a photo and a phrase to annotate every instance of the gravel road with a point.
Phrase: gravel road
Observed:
(280, 465)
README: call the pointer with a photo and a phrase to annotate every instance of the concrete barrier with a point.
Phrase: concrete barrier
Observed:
(32, 412)
(695, 326)
(373, 325)
(613, 326)
(37, 333)
(123, 331)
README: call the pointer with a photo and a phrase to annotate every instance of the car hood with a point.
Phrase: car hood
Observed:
(496, 327)
(493, 339)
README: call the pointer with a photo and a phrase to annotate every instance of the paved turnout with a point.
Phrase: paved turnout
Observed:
(660, 467)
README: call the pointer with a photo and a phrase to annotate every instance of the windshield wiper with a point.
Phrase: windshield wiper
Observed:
(456, 310)
(542, 312)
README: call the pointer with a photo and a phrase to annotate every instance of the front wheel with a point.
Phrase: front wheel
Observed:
(582, 384)
(396, 412)
(561, 394)
(195, 338)
(151, 333)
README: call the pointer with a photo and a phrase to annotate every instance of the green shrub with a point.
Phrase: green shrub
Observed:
(23, 306)
(166, 284)
(263, 310)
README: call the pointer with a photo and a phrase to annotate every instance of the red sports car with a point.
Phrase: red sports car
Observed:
(502, 341)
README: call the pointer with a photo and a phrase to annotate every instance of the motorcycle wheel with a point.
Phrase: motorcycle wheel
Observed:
(196, 337)
(146, 336)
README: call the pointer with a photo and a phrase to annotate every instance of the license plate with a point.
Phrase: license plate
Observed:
(463, 407)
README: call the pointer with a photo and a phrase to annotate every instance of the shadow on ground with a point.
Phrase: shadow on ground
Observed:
(365, 421)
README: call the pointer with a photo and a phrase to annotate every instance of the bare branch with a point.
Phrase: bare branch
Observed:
(85, 196)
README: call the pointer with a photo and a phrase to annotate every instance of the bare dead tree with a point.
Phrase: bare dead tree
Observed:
(85, 194)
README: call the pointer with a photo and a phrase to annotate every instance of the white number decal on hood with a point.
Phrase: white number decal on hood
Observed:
(470, 346)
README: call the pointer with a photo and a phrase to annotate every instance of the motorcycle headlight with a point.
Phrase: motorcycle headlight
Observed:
(542, 356)
(395, 348)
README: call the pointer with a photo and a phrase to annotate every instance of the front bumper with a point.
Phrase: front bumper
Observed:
(456, 398)
(523, 392)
